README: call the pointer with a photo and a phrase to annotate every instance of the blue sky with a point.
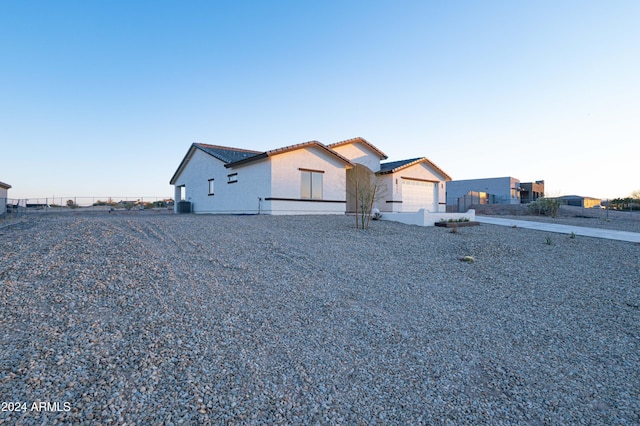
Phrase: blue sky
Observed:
(105, 98)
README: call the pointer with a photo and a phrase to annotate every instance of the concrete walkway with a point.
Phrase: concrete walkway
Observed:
(611, 234)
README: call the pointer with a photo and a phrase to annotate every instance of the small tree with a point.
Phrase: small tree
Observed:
(366, 188)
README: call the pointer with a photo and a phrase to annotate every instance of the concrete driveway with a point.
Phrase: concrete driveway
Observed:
(611, 234)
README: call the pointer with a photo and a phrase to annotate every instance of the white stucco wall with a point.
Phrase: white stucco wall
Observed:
(390, 195)
(359, 153)
(278, 177)
(424, 218)
(286, 182)
(393, 183)
(3, 200)
(239, 197)
(248, 194)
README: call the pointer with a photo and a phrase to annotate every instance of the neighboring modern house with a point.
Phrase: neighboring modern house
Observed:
(307, 178)
(502, 190)
(4, 188)
(531, 191)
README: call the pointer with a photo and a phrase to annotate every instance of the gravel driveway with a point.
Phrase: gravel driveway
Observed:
(144, 318)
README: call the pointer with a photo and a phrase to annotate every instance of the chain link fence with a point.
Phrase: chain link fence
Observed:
(14, 207)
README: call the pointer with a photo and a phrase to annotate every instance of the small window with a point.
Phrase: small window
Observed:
(211, 186)
(311, 185)
(233, 178)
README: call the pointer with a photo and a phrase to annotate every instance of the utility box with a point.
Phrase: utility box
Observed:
(184, 206)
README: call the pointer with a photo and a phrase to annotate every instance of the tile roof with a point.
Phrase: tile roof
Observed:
(363, 141)
(394, 166)
(237, 156)
(225, 153)
(287, 149)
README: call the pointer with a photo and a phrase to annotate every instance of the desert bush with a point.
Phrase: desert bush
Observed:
(545, 207)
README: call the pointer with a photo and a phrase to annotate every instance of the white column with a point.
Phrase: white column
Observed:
(177, 193)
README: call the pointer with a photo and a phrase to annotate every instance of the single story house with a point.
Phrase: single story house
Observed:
(502, 190)
(307, 178)
(461, 194)
(579, 201)
(4, 188)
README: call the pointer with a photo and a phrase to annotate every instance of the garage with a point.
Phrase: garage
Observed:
(412, 185)
(419, 194)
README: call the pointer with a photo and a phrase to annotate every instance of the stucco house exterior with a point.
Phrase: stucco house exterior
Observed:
(500, 190)
(531, 191)
(307, 178)
(4, 188)
(411, 185)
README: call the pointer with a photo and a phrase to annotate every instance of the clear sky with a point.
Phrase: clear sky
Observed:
(104, 98)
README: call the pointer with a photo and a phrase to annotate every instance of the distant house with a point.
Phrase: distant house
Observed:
(4, 188)
(307, 178)
(501, 190)
(579, 201)
(531, 191)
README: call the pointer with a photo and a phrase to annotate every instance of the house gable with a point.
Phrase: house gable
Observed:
(223, 153)
(287, 168)
(360, 151)
(409, 165)
(413, 184)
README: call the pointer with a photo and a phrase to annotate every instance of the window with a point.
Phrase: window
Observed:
(211, 186)
(233, 178)
(311, 184)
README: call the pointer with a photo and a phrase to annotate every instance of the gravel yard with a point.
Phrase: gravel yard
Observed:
(569, 215)
(154, 318)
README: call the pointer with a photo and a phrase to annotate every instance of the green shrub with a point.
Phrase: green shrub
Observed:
(462, 219)
(545, 207)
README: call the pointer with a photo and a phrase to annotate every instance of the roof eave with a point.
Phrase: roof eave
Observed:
(362, 140)
(183, 164)
(246, 160)
(290, 148)
(420, 160)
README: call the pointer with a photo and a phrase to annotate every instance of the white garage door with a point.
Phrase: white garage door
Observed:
(418, 195)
